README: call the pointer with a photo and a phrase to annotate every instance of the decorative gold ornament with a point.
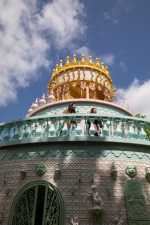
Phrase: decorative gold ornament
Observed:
(81, 79)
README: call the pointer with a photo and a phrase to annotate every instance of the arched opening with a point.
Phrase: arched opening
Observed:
(37, 203)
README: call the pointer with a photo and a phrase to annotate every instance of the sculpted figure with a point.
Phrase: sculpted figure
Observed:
(92, 90)
(109, 97)
(66, 91)
(58, 92)
(40, 168)
(131, 171)
(92, 86)
(74, 83)
(147, 174)
(119, 221)
(114, 172)
(105, 92)
(135, 199)
(83, 87)
(96, 199)
(148, 177)
(99, 87)
(83, 84)
(74, 220)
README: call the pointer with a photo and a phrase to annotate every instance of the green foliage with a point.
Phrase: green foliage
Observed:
(146, 128)
(140, 116)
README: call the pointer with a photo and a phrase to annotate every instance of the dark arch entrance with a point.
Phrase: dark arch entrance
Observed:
(37, 203)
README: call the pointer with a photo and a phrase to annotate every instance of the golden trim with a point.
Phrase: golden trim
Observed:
(101, 76)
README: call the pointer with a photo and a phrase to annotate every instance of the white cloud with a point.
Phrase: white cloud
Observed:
(108, 59)
(108, 16)
(62, 20)
(117, 10)
(137, 96)
(123, 66)
(26, 34)
(83, 50)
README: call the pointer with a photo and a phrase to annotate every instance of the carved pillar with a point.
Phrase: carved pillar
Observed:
(87, 92)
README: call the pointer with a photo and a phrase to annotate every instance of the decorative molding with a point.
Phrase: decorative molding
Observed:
(82, 104)
(81, 151)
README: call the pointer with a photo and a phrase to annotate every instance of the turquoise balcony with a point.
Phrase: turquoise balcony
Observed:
(122, 129)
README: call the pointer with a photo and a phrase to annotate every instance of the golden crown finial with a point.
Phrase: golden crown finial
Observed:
(53, 72)
(74, 58)
(97, 61)
(106, 69)
(67, 60)
(90, 59)
(82, 57)
(102, 65)
(56, 67)
(61, 63)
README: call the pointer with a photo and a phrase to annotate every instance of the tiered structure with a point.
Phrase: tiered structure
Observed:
(81, 79)
(50, 178)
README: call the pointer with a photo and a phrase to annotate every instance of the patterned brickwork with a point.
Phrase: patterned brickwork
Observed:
(80, 203)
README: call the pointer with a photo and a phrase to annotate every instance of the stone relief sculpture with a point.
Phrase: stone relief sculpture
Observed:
(57, 172)
(119, 220)
(80, 175)
(74, 220)
(109, 190)
(73, 190)
(4, 176)
(114, 172)
(7, 190)
(92, 176)
(40, 168)
(23, 174)
(97, 202)
(147, 174)
(131, 171)
(135, 199)
(96, 210)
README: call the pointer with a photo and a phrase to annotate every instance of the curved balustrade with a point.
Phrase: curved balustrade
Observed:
(56, 126)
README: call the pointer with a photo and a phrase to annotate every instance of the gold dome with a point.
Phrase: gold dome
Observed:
(81, 79)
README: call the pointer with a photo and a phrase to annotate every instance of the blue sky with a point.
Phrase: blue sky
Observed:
(35, 35)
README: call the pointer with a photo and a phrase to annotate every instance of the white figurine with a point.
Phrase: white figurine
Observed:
(74, 220)
(96, 199)
(119, 221)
